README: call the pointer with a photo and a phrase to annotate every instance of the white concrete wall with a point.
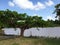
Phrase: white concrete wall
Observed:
(45, 32)
(11, 31)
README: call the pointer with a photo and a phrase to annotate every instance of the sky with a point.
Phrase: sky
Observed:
(42, 8)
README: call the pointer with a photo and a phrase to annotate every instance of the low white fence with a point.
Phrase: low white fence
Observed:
(45, 32)
(12, 31)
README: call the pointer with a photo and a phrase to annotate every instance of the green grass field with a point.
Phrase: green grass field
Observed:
(30, 41)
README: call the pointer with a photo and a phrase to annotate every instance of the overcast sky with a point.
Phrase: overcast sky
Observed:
(42, 8)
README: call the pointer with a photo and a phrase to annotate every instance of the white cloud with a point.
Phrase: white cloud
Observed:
(26, 4)
(11, 3)
(50, 17)
(39, 5)
(36, 15)
(49, 3)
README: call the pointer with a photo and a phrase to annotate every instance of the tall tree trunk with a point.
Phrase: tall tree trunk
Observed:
(23, 28)
(22, 31)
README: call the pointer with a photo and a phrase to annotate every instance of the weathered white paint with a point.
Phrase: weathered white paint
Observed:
(11, 31)
(45, 32)
(27, 33)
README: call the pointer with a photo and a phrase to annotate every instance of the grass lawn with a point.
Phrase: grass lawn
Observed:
(30, 41)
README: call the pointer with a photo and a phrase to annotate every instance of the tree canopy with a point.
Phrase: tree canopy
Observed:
(23, 21)
(57, 11)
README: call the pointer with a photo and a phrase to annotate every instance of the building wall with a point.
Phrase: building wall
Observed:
(11, 31)
(45, 32)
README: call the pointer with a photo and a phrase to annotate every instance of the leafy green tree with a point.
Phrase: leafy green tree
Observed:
(57, 10)
(1, 19)
(25, 23)
(15, 20)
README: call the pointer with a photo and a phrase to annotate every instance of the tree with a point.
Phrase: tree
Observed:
(1, 19)
(57, 10)
(37, 20)
(25, 23)
(15, 20)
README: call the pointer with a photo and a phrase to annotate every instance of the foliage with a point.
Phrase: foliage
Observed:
(57, 11)
(23, 21)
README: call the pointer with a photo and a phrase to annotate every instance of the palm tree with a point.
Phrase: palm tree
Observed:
(57, 11)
